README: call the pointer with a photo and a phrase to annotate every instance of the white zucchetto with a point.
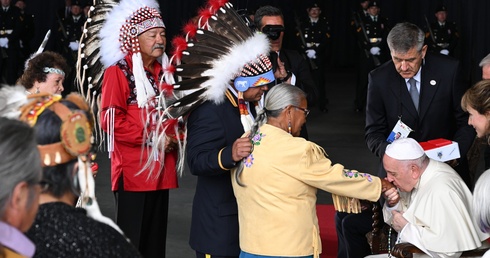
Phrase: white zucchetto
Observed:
(404, 149)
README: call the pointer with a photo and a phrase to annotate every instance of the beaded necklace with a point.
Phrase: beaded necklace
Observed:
(389, 243)
(389, 231)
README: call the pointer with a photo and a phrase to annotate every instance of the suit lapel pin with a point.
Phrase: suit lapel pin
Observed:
(432, 82)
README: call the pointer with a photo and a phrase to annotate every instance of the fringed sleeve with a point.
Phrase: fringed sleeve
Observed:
(314, 154)
(346, 204)
(337, 179)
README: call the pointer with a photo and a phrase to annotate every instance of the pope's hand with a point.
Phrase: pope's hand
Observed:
(398, 221)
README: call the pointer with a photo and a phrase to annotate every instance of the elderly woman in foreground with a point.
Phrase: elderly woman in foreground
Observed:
(276, 185)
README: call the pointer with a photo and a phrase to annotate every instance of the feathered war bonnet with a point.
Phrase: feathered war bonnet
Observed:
(216, 49)
(75, 134)
(130, 18)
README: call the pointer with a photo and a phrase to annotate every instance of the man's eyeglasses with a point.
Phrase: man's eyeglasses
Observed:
(307, 111)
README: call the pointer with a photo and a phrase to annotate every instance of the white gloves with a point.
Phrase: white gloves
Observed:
(375, 51)
(4, 42)
(445, 52)
(74, 46)
(311, 53)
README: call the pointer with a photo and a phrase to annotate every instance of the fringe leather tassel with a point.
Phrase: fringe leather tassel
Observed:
(346, 204)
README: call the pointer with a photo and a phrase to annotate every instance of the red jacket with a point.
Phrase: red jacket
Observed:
(130, 154)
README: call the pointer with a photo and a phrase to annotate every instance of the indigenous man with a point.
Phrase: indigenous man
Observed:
(129, 87)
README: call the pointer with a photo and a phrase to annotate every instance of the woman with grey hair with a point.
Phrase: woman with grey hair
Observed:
(276, 185)
(20, 173)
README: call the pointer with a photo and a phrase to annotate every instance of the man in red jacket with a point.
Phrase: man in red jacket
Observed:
(141, 175)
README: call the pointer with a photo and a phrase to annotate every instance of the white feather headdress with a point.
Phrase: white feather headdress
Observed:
(214, 52)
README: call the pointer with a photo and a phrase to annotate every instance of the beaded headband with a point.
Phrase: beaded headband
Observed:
(143, 19)
(256, 73)
(53, 70)
(75, 132)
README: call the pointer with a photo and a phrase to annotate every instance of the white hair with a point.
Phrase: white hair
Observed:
(481, 201)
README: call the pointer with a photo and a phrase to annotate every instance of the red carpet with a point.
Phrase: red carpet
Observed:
(326, 221)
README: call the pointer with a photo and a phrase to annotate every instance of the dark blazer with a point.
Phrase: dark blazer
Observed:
(440, 114)
(297, 65)
(210, 129)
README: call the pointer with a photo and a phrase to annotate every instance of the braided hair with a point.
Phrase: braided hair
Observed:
(276, 100)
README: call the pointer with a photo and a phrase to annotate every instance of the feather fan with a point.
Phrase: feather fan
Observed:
(212, 55)
(89, 68)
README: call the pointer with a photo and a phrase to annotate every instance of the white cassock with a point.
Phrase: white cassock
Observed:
(439, 214)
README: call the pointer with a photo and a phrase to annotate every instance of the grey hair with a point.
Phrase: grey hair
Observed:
(19, 159)
(481, 201)
(266, 11)
(405, 36)
(485, 61)
(278, 98)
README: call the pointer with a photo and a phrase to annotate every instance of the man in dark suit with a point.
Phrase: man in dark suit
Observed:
(430, 106)
(288, 65)
(214, 147)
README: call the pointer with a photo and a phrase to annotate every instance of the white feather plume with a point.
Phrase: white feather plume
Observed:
(11, 99)
(227, 67)
(87, 199)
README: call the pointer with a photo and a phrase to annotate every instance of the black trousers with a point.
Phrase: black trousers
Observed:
(351, 233)
(143, 217)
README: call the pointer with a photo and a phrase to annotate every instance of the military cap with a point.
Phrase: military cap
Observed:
(77, 2)
(373, 3)
(312, 5)
(441, 8)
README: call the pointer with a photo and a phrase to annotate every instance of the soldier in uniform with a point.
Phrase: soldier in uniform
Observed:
(26, 34)
(315, 31)
(371, 34)
(10, 29)
(72, 31)
(362, 11)
(442, 36)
